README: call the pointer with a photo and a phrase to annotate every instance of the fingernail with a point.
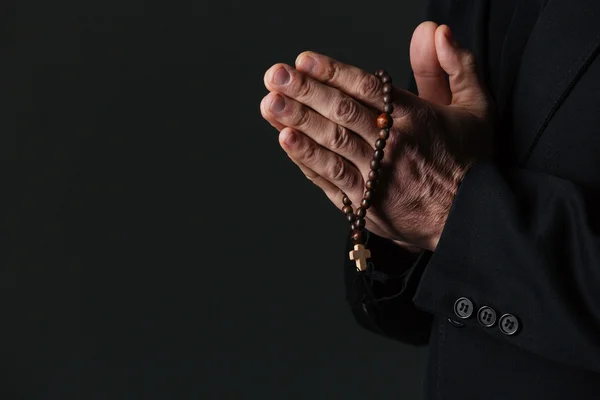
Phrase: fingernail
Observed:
(281, 76)
(291, 138)
(306, 63)
(277, 104)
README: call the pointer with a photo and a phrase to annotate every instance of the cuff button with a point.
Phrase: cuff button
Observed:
(509, 324)
(463, 308)
(486, 316)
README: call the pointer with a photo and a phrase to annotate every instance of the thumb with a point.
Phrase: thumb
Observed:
(429, 75)
(460, 65)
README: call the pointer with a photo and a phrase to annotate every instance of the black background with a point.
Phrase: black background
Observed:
(160, 244)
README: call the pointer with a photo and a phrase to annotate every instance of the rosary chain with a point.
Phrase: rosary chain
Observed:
(384, 123)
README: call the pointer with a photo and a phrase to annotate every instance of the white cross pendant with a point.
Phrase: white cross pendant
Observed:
(360, 255)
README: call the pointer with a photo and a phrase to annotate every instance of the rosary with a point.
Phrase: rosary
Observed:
(357, 221)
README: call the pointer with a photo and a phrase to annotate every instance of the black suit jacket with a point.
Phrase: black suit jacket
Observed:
(522, 238)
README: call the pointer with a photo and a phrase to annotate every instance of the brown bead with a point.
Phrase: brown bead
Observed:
(384, 134)
(361, 212)
(388, 108)
(368, 194)
(387, 98)
(346, 201)
(365, 203)
(358, 236)
(350, 217)
(380, 144)
(373, 175)
(378, 154)
(384, 121)
(387, 88)
(347, 209)
(359, 223)
(380, 72)
(370, 185)
(375, 164)
(385, 78)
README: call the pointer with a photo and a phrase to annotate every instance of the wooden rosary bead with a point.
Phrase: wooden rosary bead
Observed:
(384, 121)
(361, 212)
(384, 134)
(357, 220)
(358, 236)
(359, 223)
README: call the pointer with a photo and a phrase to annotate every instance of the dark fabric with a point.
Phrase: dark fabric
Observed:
(498, 27)
(518, 18)
(384, 300)
(522, 236)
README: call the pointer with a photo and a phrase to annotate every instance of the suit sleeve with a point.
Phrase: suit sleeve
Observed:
(522, 243)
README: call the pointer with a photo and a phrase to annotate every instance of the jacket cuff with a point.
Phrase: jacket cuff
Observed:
(391, 272)
(448, 277)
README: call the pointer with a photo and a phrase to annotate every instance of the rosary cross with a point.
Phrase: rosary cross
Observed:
(360, 255)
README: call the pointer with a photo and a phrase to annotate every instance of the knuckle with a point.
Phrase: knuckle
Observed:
(300, 117)
(345, 110)
(331, 72)
(338, 171)
(369, 86)
(310, 155)
(302, 86)
(340, 139)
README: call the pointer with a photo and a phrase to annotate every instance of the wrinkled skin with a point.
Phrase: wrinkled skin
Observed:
(326, 111)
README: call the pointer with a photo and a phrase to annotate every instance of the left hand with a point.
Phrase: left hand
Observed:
(326, 115)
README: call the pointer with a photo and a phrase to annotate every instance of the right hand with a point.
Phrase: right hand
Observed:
(430, 78)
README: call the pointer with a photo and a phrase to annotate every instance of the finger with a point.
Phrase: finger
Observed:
(331, 166)
(326, 100)
(339, 139)
(332, 192)
(355, 82)
(266, 115)
(460, 65)
(429, 75)
(335, 195)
